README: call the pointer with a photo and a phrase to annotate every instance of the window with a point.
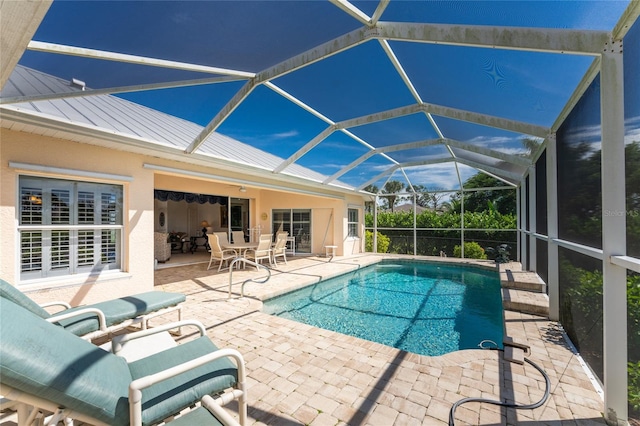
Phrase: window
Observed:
(68, 227)
(352, 223)
(297, 223)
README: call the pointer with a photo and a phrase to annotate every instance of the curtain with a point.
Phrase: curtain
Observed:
(189, 197)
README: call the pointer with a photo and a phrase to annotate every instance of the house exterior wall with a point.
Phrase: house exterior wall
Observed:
(74, 158)
(63, 159)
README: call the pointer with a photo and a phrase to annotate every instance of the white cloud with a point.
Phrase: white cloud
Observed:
(284, 135)
(181, 18)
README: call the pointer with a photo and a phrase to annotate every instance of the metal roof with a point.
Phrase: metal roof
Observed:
(338, 93)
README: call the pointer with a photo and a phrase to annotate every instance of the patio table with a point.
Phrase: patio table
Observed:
(241, 248)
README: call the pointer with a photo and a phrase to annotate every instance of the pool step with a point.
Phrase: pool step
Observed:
(523, 291)
(524, 301)
(522, 280)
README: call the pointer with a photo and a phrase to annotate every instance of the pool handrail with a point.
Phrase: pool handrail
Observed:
(250, 262)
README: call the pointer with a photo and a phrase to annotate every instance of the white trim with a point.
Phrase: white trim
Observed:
(75, 280)
(582, 249)
(70, 172)
(597, 385)
(631, 263)
(225, 179)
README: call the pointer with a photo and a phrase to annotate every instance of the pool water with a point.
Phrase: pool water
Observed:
(424, 308)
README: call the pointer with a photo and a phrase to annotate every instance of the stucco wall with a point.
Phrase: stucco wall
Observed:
(76, 159)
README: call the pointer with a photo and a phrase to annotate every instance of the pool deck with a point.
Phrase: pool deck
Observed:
(302, 375)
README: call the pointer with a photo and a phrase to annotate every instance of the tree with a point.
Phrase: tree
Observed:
(423, 197)
(368, 205)
(531, 145)
(392, 187)
(436, 201)
(504, 201)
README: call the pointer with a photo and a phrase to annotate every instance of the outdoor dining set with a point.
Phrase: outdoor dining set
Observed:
(223, 251)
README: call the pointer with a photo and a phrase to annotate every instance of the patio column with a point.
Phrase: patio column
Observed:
(375, 225)
(614, 234)
(462, 222)
(532, 220)
(553, 279)
(415, 233)
(523, 224)
(518, 226)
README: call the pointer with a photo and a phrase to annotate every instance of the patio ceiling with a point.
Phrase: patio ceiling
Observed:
(428, 93)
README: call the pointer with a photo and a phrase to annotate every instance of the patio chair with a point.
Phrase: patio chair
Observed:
(218, 253)
(101, 319)
(280, 247)
(45, 369)
(238, 237)
(263, 251)
(223, 238)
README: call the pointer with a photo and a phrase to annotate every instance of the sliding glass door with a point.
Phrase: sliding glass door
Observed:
(297, 222)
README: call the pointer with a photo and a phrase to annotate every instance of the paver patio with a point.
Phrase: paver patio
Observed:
(299, 374)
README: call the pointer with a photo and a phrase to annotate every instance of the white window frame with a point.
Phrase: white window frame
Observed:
(102, 232)
(351, 225)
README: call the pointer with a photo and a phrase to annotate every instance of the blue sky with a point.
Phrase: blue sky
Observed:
(252, 36)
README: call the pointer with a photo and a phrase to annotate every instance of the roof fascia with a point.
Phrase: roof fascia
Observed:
(62, 49)
(581, 42)
(257, 183)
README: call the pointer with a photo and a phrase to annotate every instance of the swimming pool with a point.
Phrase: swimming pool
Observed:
(420, 307)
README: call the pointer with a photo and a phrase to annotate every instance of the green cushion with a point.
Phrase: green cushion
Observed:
(200, 417)
(122, 309)
(172, 395)
(8, 291)
(44, 360)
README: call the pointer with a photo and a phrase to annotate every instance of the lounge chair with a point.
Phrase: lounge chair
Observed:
(100, 319)
(45, 369)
